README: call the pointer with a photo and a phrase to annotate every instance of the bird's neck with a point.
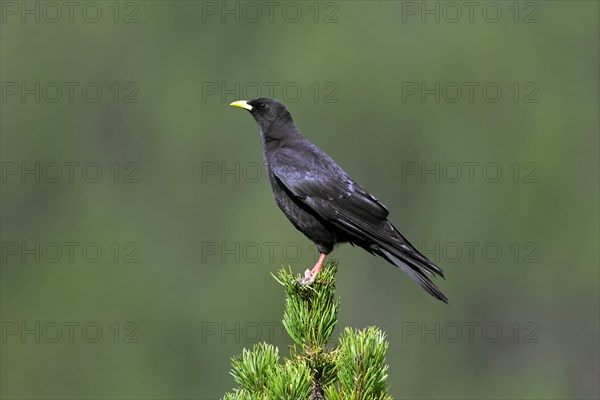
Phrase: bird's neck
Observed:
(279, 131)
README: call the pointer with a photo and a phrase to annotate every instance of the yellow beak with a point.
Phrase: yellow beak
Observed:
(242, 104)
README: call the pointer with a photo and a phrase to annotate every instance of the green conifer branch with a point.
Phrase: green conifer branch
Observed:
(354, 370)
(361, 364)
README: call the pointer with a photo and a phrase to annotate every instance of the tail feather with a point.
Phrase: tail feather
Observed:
(416, 270)
(383, 239)
(407, 247)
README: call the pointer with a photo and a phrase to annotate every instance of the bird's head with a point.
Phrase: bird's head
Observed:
(265, 111)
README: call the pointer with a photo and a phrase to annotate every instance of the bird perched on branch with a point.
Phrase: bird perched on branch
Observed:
(324, 203)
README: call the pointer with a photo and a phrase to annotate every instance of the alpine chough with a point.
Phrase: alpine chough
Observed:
(324, 203)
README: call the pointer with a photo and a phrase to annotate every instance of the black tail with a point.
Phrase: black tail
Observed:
(415, 265)
(382, 238)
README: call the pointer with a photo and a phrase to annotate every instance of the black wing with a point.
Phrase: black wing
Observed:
(317, 181)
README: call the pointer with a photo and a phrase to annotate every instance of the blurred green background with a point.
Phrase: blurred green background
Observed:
(187, 228)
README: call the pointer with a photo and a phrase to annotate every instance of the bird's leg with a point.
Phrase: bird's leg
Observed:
(310, 275)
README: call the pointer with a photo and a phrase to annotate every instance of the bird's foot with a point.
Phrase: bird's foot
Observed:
(309, 277)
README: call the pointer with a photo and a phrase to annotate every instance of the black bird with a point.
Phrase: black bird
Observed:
(324, 203)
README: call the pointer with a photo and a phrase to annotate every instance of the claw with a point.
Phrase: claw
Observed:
(310, 275)
(308, 278)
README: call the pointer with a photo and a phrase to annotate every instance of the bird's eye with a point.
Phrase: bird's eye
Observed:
(262, 106)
